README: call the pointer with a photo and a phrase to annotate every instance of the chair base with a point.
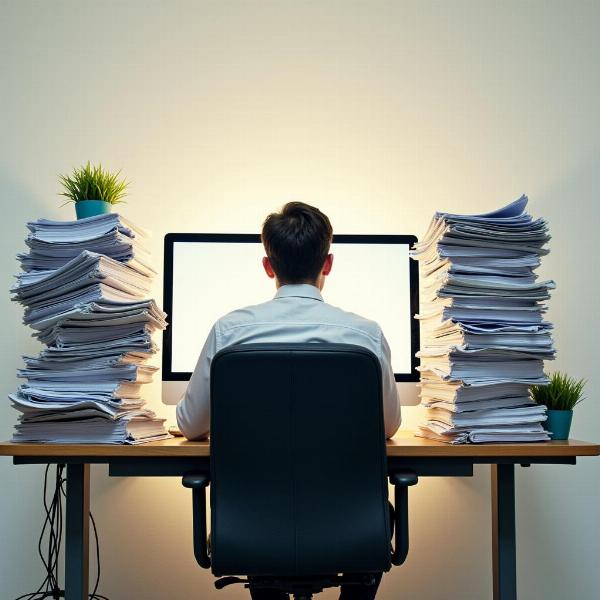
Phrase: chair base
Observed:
(302, 588)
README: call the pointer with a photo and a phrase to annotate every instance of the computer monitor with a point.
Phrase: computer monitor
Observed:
(208, 275)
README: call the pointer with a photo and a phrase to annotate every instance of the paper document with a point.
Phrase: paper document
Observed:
(84, 286)
(484, 336)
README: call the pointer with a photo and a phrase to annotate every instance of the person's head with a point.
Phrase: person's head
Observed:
(297, 241)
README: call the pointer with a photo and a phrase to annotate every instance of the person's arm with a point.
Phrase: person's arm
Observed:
(193, 410)
(391, 401)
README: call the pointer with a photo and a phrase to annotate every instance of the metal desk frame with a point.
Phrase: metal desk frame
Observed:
(78, 502)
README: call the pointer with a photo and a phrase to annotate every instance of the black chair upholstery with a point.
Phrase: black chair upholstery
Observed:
(298, 469)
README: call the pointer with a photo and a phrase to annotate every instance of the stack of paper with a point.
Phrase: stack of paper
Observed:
(53, 243)
(84, 286)
(483, 333)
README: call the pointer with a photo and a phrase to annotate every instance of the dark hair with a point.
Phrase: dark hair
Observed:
(297, 241)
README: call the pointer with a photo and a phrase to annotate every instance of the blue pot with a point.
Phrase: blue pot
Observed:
(91, 208)
(558, 424)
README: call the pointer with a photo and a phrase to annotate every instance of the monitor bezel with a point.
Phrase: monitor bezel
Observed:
(172, 238)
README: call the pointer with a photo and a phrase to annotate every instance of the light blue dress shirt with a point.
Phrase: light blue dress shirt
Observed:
(297, 314)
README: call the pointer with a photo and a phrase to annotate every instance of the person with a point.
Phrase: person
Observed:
(297, 241)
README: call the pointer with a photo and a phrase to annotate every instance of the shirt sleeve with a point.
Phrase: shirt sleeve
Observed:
(391, 401)
(193, 410)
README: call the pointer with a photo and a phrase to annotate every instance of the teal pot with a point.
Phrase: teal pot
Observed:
(558, 424)
(91, 208)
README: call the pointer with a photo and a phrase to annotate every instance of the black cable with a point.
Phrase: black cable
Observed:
(94, 595)
(53, 528)
(53, 543)
(50, 582)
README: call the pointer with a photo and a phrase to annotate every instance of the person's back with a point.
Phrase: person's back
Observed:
(296, 314)
(297, 243)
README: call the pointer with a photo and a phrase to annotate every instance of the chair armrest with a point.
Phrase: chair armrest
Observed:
(198, 484)
(401, 480)
(194, 480)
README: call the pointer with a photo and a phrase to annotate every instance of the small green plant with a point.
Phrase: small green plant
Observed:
(93, 183)
(562, 393)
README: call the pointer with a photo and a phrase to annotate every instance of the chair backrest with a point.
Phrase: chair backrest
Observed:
(298, 461)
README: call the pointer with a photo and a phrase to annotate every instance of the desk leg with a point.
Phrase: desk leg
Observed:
(77, 532)
(503, 532)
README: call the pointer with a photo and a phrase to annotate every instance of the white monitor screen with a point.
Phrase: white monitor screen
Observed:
(212, 278)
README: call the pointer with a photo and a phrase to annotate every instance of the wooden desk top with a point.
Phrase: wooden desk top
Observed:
(404, 444)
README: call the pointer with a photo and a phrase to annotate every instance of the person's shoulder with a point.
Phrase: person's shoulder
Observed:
(243, 315)
(355, 321)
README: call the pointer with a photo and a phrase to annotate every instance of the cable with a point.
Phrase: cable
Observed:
(94, 595)
(52, 528)
(49, 587)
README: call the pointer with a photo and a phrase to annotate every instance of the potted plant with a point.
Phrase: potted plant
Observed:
(560, 397)
(93, 190)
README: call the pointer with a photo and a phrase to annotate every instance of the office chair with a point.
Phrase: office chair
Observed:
(298, 470)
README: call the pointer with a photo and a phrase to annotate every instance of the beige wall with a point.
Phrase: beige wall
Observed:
(379, 113)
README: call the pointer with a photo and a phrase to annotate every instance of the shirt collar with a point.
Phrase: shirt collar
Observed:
(299, 290)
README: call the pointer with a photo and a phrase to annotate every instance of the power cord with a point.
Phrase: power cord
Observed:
(52, 529)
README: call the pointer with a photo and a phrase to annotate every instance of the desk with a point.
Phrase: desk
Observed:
(175, 457)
